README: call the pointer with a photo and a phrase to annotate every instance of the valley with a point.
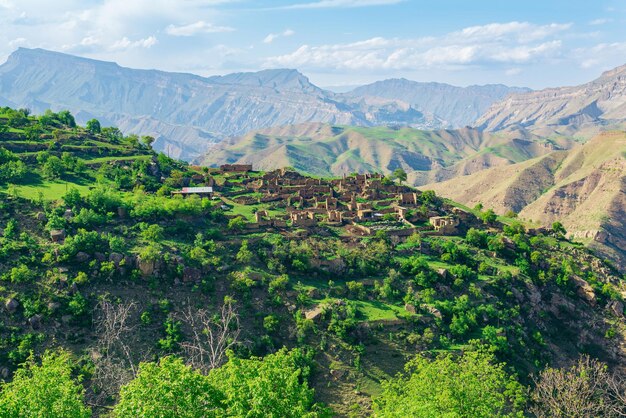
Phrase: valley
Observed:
(321, 288)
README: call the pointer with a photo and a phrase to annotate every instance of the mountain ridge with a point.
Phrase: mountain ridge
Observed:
(563, 110)
(458, 106)
(187, 112)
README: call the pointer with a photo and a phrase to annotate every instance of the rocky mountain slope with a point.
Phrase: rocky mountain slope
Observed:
(565, 110)
(584, 188)
(455, 106)
(186, 113)
(333, 150)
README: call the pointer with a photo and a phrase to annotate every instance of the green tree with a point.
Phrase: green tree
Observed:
(93, 126)
(399, 174)
(66, 118)
(488, 216)
(237, 223)
(42, 391)
(244, 255)
(53, 168)
(471, 385)
(147, 140)
(274, 386)
(169, 389)
(558, 228)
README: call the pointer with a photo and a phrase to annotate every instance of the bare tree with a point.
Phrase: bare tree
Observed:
(617, 389)
(586, 389)
(211, 336)
(115, 362)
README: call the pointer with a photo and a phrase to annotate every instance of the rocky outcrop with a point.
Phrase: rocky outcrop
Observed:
(563, 109)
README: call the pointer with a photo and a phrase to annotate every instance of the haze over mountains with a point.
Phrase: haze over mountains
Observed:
(564, 110)
(456, 106)
(187, 113)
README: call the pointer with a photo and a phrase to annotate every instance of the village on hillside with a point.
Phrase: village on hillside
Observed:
(359, 204)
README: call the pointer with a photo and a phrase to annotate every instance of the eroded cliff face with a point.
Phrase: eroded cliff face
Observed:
(584, 188)
(566, 109)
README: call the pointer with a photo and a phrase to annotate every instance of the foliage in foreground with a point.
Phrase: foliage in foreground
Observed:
(470, 386)
(44, 391)
(274, 386)
(169, 389)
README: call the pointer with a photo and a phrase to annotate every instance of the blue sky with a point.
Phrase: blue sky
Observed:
(335, 42)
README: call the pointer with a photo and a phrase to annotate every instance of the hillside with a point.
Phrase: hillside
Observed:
(355, 276)
(330, 150)
(584, 188)
(455, 106)
(184, 112)
(577, 110)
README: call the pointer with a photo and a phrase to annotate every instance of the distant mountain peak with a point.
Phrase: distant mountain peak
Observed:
(280, 78)
(562, 110)
(621, 70)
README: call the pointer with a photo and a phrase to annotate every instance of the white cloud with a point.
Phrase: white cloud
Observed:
(498, 43)
(126, 43)
(273, 36)
(598, 22)
(603, 56)
(328, 4)
(14, 43)
(513, 71)
(196, 28)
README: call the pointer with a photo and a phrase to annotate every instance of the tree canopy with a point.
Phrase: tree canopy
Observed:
(44, 391)
(471, 385)
(169, 389)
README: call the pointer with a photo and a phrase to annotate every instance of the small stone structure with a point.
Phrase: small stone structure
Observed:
(235, 168)
(444, 224)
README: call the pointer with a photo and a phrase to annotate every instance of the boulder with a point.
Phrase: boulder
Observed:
(57, 235)
(54, 306)
(617, 308)
(116, 258)
(122, 212)
(337, 374)
(314, 313)
(35, 321)
(11, 305)
(191, 274)
(584, 290)
(100, 257)
(410, 308)
(82, 257)
(147, 267)
(433, 311)
(41, 217)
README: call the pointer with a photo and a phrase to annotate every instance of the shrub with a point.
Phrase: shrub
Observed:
(46, 390)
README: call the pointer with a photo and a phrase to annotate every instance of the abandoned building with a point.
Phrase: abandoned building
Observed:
(444, 224)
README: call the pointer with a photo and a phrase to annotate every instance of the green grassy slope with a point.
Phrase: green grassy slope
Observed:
(326, 150)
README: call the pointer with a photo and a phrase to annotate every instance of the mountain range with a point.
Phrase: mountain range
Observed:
(455, 106)
(563, 111)
(187, 113)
